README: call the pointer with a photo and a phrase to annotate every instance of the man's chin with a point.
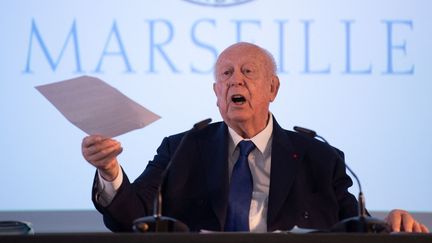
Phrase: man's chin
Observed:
(238, 117)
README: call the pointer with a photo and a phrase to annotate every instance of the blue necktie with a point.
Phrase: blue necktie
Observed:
(240, 193)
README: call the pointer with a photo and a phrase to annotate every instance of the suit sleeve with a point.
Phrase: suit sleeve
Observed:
(341, 183)
(135, 200)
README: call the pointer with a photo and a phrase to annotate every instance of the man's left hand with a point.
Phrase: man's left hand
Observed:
(402, 221)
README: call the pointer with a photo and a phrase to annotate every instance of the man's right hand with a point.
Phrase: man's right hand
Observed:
(102, 153)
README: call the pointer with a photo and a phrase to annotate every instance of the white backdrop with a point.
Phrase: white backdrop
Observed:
(358, 72)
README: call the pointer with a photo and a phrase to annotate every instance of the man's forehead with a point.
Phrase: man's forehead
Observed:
(241, 55)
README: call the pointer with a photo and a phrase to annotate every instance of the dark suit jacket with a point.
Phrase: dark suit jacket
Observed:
(308, 184)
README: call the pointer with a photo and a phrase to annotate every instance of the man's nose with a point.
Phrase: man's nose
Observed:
(236, 79)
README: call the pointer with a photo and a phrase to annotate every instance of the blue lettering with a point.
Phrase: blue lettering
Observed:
(281, 65)
(121, 52)
(53, 64)
(307, 68)
(158, 46)
(393, 47)
(199, 43)
(348, 68)
(239, 25)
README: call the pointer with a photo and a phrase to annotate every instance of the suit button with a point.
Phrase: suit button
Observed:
(306, 215)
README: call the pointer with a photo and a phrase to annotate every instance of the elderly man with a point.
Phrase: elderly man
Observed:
(243, 174)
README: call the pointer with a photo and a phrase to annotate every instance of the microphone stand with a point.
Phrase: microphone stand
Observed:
(363, 223)
(157, 222)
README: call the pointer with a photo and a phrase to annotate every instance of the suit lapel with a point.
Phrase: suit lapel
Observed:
(284, 164)
(215, 154)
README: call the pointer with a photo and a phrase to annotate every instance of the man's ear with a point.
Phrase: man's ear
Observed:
(215, 92)
(274, 87)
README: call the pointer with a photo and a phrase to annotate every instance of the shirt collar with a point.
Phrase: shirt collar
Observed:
(260, 140)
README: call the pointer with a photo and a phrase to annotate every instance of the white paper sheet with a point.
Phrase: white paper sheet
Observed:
(95, 107)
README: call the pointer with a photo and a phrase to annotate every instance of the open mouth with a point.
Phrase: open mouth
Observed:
(238, 99)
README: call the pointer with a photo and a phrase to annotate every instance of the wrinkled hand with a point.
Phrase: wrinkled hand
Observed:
(102, 153)
(402, 221)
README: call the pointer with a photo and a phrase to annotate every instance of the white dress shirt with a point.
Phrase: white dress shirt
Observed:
(259, 164)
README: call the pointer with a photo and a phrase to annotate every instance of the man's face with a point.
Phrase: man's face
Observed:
(245, 84)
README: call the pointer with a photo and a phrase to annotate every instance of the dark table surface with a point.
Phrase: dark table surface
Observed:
(215, 237)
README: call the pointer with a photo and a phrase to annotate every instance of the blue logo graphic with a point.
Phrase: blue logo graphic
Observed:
(218, 3)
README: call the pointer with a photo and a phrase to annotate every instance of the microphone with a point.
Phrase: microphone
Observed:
(362, 223)
(157, 222)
